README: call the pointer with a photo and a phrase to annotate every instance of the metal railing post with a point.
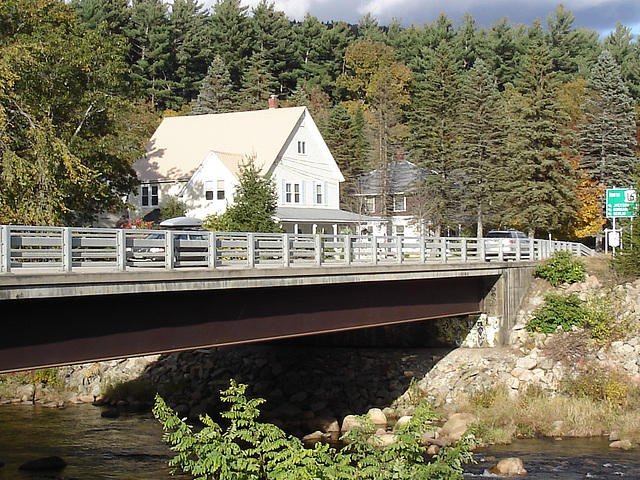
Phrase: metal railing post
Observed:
(443, 249)
(423, 249)
(347, 249)
(318, 250)
(212, 249)
(251, 251)
(286, 251)
(169, 250)
(5, 249)
(463, 251)
(121, 249)
(374, 250)
(67, 249)
(399, 249)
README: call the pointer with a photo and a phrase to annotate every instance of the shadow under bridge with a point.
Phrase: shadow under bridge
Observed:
(112, 316)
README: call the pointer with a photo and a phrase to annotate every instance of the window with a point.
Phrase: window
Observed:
(150, 195)
(208, 190)
(296, 193)
(292, 193)
(319, 194)
(287, 192)
(399, 230)
(399, 203)
(302, 148)
(219, 190)
(370, 204)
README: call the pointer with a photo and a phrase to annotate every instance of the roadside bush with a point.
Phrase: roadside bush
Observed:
(561, 268)
(559, 312)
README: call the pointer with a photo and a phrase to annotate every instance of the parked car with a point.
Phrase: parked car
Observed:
(507, 241)
(190, 247)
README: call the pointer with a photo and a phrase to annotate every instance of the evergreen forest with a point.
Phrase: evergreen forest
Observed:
(520, 126)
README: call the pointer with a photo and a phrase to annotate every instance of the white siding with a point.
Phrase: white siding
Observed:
(313, 167)
(166, 190)
(211, 170)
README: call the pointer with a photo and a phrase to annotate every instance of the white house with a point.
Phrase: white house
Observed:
(197, 158)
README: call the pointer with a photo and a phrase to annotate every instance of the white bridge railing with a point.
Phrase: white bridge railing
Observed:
(70, 249)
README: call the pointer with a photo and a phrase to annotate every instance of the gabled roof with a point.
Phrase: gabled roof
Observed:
(180, 144)
(401, 177)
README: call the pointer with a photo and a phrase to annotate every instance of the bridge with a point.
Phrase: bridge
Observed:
(74, 295)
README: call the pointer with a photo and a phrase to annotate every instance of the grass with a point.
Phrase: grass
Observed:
(502, 417)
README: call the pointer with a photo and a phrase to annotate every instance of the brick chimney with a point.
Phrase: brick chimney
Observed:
(273, 102)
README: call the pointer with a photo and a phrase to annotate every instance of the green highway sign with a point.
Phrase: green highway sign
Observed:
(621, 202)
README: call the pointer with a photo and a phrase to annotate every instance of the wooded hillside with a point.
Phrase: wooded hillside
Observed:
(519, 125)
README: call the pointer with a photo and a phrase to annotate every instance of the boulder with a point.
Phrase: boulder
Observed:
(313, 437)
(402, 421)
(377, 416)
(383, 439)
(46, 463)
(621, 444)
(349, 423)
(457, 424)
(509, 466)
(110, 413)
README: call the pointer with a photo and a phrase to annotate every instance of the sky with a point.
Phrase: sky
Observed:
(599, 15)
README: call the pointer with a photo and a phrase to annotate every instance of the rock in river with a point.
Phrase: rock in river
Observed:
(46, 463)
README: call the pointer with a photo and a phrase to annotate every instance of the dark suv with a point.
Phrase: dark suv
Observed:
(507, 241)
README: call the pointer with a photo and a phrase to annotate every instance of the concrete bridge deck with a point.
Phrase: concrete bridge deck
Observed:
(72, 295)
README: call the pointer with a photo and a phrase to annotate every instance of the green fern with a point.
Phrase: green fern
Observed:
(250, 450)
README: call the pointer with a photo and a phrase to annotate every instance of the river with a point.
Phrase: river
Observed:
(131, 448)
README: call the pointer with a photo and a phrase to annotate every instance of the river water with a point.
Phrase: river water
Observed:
(131, 448)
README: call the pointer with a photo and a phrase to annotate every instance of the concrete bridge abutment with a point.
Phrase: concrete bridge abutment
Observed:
(505, 296)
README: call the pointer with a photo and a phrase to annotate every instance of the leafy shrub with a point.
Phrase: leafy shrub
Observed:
(173, 207)
(561, 268)
(559, 312)
(247, 449)
(598, 385)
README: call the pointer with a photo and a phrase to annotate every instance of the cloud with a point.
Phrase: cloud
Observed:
(599, 15)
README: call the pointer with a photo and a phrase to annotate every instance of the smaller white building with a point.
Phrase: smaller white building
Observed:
(197, 159)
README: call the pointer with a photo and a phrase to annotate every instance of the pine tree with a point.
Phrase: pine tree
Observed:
(272, 40)
(254, 204)
(258, 84)
(115, 13)
(343, 137)
(626, 53)
(231, 32)
(216, 92)
(432, 131)
(192, 50)
(538, 186)
(477, 156)
(152, 61)
(607, 136)
(503, 55)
